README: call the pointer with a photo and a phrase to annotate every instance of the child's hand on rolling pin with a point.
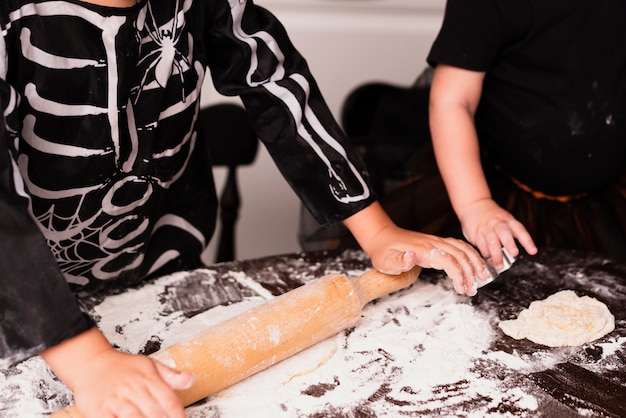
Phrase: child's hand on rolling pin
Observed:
(108, 383)
(394, 250)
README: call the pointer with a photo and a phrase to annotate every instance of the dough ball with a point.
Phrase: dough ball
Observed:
(563, 319)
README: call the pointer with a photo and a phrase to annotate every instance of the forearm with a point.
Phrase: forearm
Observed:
(368, 223)
(458, 156)
(455, 95)
(454, 98)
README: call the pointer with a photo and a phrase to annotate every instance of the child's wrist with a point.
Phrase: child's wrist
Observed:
(72, 355)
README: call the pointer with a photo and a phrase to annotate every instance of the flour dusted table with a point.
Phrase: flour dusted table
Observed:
(358, 375)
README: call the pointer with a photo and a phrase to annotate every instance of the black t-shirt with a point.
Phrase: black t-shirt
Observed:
(553, 108)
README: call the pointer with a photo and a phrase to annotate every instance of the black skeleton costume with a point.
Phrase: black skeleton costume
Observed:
(101, 174)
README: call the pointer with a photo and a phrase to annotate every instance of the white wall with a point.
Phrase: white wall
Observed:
(346, 43)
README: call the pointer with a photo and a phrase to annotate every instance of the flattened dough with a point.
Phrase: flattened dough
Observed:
(563, 319)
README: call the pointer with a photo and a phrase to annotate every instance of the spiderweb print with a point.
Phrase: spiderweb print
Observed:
(97, 223)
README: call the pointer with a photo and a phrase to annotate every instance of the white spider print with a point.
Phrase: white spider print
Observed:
(165, 58)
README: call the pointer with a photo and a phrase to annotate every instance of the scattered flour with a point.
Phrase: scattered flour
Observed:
(242, 278)
(131, 318)
(30, 390)
(413, 353)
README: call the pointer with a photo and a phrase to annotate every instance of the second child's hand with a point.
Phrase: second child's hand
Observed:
(491, 228)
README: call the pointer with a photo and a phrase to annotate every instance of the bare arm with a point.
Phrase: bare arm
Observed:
(455, 94)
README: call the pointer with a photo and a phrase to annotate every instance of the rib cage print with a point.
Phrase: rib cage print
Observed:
(108, 102)
(94, 209)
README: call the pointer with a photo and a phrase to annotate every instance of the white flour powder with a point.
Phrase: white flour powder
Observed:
(411, 352)
(419, 352)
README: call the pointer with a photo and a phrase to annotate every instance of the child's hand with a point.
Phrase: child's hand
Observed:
(489, 227)
(394, 250)
(108, 383)
(115, 384)
(397, 250)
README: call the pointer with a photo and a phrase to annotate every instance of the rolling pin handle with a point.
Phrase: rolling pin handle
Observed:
(373, 284)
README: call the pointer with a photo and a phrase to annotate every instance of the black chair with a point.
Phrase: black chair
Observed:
(232, 143)
(387, 123)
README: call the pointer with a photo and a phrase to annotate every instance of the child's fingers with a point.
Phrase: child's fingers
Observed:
(164, 394)
(459, 266)
(471, 262)
(151, 395)
(175, 379)
(524, 238)
(396, 262)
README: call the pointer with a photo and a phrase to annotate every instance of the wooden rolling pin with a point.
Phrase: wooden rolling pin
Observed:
(228, 352)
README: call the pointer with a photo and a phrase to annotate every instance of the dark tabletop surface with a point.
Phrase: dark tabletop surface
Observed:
(589, 380)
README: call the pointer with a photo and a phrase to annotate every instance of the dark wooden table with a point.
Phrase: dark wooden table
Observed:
(589, 380)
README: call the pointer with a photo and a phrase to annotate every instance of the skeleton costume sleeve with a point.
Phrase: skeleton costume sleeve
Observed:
(257, 61)
(102, 176)
(37, 309)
